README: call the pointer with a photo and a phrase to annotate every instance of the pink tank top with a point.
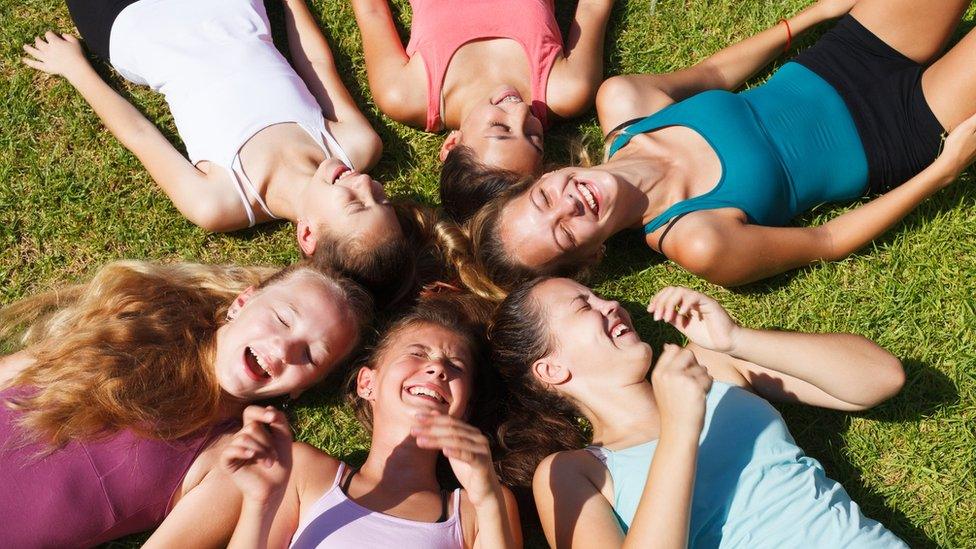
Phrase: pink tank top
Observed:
(87, 493)
(335, 521)
(440, 27)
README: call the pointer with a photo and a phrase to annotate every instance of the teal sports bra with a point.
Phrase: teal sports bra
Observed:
(784, 147)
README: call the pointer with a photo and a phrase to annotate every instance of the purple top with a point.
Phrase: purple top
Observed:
(87, 493)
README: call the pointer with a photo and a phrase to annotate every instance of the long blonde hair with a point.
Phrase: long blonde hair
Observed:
(130, 349)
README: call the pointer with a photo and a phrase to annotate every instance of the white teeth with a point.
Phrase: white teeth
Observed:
(587, 195)
(423, 391)
(260, 362)
(511, 99)
(344, 174)
(620, 330)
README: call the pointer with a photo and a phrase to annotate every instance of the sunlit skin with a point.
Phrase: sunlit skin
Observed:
(555, 220)
(423, 355)
(284, 338)
(344, 202)
(502, 131)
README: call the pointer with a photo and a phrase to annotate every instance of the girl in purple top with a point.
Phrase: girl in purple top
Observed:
(113, 414)
(425, 376)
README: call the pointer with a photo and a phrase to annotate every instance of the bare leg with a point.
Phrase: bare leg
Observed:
(919, 30)
(949, 84)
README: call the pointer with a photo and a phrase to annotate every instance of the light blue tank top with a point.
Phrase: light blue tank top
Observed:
(753, 485)
(784, 147)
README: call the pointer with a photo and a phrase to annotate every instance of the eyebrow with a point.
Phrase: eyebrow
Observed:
(503, 137)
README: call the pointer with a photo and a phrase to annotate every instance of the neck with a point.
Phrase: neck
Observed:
(287, 184)
(645, 174)
(395, 461)
(626, 418)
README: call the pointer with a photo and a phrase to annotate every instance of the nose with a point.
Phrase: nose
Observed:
(362, 187)
(436, 368)
(519, 114)
(567, 205)
(608, 307)
(294, 350)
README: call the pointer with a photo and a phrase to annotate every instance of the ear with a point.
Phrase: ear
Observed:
(549, 372)
(239, 302)
(452, 140)
(364, 383)
(307, 239)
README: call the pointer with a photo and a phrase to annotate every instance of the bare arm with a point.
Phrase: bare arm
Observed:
(622, 98)
(314, 62)
(204, 517)
(712, 244)
(577, 76)
(575, 513)
(201, 198)
(398, 87)
(840, 371)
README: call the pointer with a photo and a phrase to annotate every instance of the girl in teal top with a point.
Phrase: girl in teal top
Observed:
(695, 457)
(719, 173)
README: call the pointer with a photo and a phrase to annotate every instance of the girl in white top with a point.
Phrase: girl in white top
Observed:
(428, 372)
(265, 140)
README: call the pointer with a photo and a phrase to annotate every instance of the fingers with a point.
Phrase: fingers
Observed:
(275, 419)
(250, 445)
(455, 438)
(674, 301)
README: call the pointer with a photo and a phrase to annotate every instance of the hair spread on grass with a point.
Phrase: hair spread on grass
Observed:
(459, 311)
(467, 183)
(537, 421)
(133, 348)
(388, 268)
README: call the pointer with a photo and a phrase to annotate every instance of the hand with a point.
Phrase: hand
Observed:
(680, 385)
(700, 318)
(830, 9)
(959, 150)
(466, 448)
(258, 457)
(55, 54)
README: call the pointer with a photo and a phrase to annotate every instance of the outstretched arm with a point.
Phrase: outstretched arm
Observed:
(313, 61)
(577, 76)
(622, 98)
(199, 197)
(399, 88)
(711, 245)
(840, 371)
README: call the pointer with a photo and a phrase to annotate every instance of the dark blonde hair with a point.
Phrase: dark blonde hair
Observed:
(389, 269)
(133, 348)
(537, 421)
(467, 183)
(458, 311)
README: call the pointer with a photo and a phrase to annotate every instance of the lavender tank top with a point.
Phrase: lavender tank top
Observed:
(87, 493)
(335, 521)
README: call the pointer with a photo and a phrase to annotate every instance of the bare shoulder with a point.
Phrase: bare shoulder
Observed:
(313, 471)
(699, 240)
(569, 468)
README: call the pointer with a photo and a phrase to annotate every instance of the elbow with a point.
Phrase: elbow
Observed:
(209, 217)
(394, 101)
(615, 99)
(891, 378)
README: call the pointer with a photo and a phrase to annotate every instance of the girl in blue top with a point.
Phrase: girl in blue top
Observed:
(696, 457)
(719, 172)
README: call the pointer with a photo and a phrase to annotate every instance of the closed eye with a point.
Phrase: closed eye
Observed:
(282, 320)
(504, 127)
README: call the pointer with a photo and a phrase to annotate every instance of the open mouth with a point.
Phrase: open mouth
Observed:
(340, 172)
(427, 392)
(589, 195)
(507, 96)
(618, 328)
(255, 366)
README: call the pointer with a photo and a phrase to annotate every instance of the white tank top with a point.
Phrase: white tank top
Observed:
(222, 77)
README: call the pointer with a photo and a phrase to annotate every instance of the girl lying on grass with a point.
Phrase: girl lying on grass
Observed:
(695, 457)
(265, 140)
(494, 72)
(427, 374)
(708, 173)
(127, 389)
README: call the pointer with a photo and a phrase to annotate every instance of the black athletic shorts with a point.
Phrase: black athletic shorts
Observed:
(883, 91)
(94, 19)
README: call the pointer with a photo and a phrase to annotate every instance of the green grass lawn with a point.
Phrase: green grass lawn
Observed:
(72, 198)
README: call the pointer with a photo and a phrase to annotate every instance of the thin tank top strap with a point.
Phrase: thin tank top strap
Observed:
(338, 475)
(245, 187)
(334, 146)
(321, 136)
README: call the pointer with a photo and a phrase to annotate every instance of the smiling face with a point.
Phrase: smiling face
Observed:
(342, 201)
(593, 339)
(284, 338)
(424, 367)
(564, 217)
(503, 132)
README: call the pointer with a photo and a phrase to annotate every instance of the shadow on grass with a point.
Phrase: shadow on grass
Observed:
(821, 434)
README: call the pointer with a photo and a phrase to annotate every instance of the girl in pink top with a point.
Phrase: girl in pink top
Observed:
(427, 373)
(495, 72)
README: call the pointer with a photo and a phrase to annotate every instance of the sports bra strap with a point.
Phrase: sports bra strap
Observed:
(245, 187)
